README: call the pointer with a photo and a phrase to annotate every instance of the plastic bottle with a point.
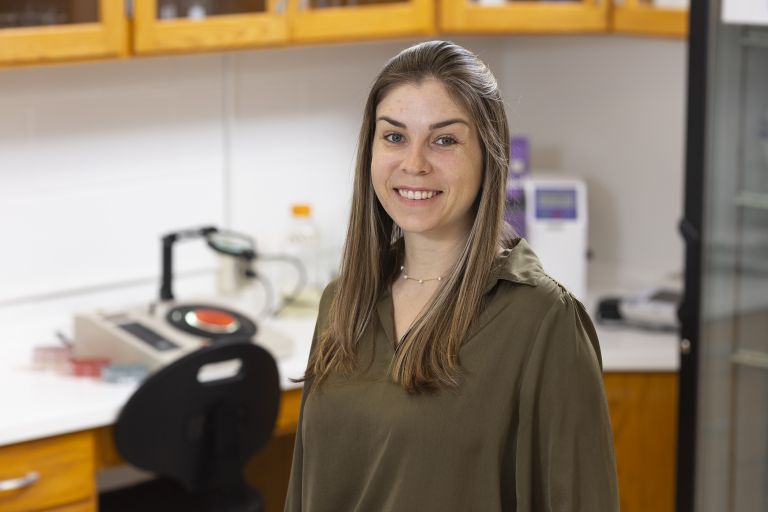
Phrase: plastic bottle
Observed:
(302, 243)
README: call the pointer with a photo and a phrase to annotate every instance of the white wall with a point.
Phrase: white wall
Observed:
(97, 160)
(611, 110)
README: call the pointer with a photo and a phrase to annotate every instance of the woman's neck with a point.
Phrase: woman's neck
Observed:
(428, 258)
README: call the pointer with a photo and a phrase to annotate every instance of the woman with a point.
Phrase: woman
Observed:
(448, 371)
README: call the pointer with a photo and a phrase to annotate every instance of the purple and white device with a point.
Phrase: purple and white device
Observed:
(556, 228)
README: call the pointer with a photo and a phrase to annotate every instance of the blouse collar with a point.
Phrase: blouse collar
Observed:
(517, 264)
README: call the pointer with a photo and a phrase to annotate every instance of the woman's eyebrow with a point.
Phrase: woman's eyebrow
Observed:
(391, 121)
(434, 126)
(443, 124)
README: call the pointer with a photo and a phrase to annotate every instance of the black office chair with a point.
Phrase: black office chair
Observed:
(198, 436)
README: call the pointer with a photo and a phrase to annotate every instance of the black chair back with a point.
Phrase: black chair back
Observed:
(201, 434)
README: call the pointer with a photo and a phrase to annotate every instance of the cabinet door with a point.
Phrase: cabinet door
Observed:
(643, 409)
(660, 17)
(354, 20)
(42, 31)
(170, 26)
(48, 473)
(508, 17)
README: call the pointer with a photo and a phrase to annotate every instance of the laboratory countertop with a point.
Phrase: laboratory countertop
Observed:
(38, 404)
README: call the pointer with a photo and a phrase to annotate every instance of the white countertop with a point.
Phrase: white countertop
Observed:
(635, 350)
(39, 404)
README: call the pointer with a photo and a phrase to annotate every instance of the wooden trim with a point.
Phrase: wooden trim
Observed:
(154, 36)
(143, 25)
(115, 23)
(461, 16)
(363, 22)
(641, 19)
(40, 45)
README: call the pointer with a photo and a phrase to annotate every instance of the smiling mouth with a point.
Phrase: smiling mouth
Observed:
(417, 194)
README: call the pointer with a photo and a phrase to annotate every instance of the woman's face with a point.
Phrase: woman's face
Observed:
(426, 164)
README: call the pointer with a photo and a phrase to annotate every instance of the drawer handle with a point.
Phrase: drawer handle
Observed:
(19, 483)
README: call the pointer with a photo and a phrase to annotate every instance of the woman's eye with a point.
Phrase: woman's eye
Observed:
(394, 137)
(445, 140)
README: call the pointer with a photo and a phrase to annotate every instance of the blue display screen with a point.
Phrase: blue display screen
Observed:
(556, 203)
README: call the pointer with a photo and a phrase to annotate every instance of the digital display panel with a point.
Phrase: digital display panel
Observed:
(557, 200)
(148, 336)
(556, 203)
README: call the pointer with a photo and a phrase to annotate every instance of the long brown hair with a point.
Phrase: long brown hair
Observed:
(427, 357)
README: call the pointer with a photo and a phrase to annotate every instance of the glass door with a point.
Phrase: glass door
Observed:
(41, 31)
(723, 440)
(43, 13)
(201, 9)
(167, 26)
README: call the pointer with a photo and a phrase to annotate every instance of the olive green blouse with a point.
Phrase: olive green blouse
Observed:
(528, 429)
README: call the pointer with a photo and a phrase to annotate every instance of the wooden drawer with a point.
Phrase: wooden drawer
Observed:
(65, 473)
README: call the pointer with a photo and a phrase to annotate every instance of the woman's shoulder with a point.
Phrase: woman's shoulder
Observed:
(520, 276)
(329, 292)
(556, 314)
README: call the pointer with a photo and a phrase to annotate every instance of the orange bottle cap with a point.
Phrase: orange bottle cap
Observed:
(302, 210)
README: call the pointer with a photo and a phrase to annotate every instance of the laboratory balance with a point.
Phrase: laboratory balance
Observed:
(159, 333)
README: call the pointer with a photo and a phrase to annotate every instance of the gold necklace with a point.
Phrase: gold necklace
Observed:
(420, 281)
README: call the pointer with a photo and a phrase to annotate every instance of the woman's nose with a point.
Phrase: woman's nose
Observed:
(416, 161)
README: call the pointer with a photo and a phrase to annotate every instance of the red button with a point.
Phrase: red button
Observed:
(215, 318)
(213, 321)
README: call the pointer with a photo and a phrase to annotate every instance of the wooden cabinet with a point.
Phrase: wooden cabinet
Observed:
(640, 17)
(352, 20)
(253, 23)
(98, 29)
(469, 17)
(643, 409)
(64, 31)
(166, 28)
(56, 473)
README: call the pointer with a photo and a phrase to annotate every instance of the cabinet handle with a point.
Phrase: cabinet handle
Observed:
(19, 483)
